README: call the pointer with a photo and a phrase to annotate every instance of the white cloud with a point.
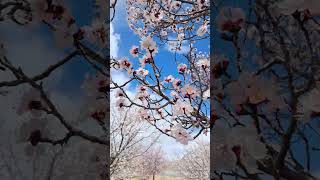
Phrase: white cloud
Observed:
(119, 77)
(175, 149)
(114, 42)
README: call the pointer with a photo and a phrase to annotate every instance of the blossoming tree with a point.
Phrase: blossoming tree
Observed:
(152, 163)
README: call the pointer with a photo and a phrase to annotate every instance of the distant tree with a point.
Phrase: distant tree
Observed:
(131, 138)
(195, 161)
(152, 162)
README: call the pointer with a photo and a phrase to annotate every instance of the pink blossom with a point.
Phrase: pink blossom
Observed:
(121, 104)
(169, 79)
(176, 83)
(182, 108)
(57, 11)
(98, 110)
(120, 94)
(134, 51)
(143, 113)
(125, 63)
(95, 85)
(39, 9)
(202, 3)
(181, 134)
(32, 102)
(142, 95)
(147, 43)
(182, 68)
(174, 95)
(189, 91)
(157, 16)
(175, 5)
(230, 19)
(97, 33)
(146, 59)
(204, 63)
(142, 72)
(141, 88)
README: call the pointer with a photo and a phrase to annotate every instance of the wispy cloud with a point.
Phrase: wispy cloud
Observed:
(118, 77)
(175, 149)
(114, 42)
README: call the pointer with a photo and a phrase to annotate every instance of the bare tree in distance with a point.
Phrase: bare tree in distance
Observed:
(194, 163)
(153, 162)
(131, 138)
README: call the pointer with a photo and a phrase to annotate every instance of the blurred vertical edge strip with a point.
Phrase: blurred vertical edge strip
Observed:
(212, 112)
(108, 21)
